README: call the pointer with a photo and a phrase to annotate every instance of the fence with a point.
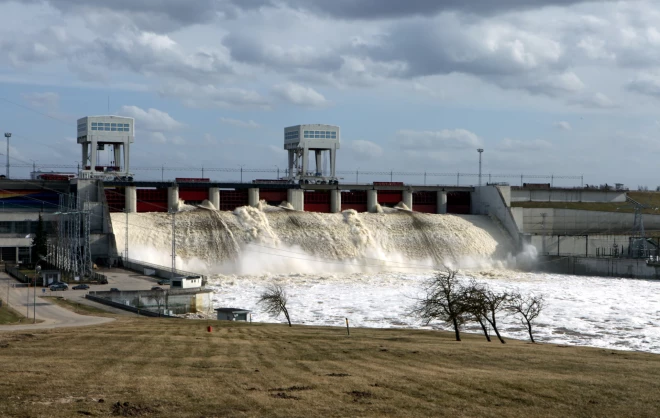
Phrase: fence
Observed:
(13, 272)
(239, 174)
(159, 271)
(139, 311)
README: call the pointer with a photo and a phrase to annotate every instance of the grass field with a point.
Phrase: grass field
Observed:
(160, 367)
(76, 307)
(9, 316)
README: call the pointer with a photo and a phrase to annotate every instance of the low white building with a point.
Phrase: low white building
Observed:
(189, 282)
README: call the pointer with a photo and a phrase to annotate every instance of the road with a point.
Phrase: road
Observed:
(54, 316)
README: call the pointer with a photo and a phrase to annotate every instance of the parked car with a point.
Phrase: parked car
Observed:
(163, 281)
(81, 287)
(156, 288)
(59, 286)
(114, 289)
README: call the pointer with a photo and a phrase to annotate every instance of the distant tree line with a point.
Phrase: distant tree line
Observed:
(449, 300)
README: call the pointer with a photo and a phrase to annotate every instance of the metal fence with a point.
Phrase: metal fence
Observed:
(240, 174)
(162, 272)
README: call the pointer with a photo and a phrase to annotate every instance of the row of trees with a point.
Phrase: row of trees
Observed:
(449, 300)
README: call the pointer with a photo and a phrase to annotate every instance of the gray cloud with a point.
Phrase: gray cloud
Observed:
(250, 50)
(379, 9)
(647, 84)
(437, 140)
(594, 101)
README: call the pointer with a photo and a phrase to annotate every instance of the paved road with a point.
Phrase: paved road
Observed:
(54, 316)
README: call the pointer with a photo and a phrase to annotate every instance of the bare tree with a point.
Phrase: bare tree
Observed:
(474, 305)
(159, 298)
(528, 307)
(484, 304)
(274, 299)
(444, 301)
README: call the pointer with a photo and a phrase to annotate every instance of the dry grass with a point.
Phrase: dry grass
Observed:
(158, 367)
(8, 316)
(79, 308)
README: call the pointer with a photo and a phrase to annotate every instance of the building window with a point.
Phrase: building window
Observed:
(22, 227)
(5, 227)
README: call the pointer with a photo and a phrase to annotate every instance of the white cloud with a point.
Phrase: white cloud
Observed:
(211, 96)
(595, 101)
(438, 140)
(46, 99)
(151, 119)
(161, 138)
(240, 123)
(513, 145)
(299, 95)
(563, 125)
(365, 149)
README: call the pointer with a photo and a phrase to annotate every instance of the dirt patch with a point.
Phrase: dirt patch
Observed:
(291, 389)
(338, 374)
(360, 395)
(128, 410)
(283, 395)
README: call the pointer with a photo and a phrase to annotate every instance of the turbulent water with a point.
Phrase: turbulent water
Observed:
(370, 268)
(251, 240)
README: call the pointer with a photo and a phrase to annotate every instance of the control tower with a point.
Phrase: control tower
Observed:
(299, 140)
(97, 132)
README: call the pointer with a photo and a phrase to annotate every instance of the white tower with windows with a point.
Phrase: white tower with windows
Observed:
(299, 140)
(95, 133)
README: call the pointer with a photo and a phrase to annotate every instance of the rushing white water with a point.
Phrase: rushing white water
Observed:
(591, 311)
(253, 241)
(371, 267)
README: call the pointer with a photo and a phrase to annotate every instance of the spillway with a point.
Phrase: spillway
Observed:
(259, 240)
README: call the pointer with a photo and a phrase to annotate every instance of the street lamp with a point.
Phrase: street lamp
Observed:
(241, 166)
(7, 135)
(480, 151)
(37, 272)
(278, 171)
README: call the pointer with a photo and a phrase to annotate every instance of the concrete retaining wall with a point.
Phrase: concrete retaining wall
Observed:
(605, 267)
(491, 201)
(581, 222)
(567, 195)
(585, 245)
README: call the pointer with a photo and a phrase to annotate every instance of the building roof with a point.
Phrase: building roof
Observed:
(232, 310)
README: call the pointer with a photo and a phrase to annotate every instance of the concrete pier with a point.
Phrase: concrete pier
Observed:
(335, 201)
(296, 198)
(408, 199)
(214, 197)
(372, 200)
(253, 197)
(442, 202)
(173, 198)
(130, 199)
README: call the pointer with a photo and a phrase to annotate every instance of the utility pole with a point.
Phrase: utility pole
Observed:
(126, 240)
(543, 226)
(480, 151)
(173, 242)
(7, 135)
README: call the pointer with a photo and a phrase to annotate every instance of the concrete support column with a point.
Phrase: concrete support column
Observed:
(442, 202)
(173, 198)
(407, 198)
(296, 197)
(372, 200)
(130, 199)
(214, 197)
(253, 197)
(335, 201)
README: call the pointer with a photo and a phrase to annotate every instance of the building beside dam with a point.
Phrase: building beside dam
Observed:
(560, 223)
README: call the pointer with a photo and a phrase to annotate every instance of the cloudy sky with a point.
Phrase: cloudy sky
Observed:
(561, 87)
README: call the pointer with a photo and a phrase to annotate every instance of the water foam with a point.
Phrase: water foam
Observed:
(270, 239)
